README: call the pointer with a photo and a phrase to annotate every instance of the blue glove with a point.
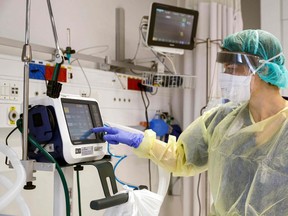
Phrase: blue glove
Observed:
(116, 136)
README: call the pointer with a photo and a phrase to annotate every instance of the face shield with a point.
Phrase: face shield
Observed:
(242, 62)
(233, 75)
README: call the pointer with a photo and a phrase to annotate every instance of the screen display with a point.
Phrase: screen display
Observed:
(171, 26)
(79, 120)
(81, 116)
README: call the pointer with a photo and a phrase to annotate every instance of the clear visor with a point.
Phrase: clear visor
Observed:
(232, 76)
(239, 64)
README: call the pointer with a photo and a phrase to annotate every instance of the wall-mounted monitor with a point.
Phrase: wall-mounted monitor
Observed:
(171, 29)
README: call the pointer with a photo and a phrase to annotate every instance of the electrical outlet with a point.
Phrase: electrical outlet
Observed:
(14, 92)
(69, 73)
(4, 91)
(83, 93)
(9, 91)
(125, 100)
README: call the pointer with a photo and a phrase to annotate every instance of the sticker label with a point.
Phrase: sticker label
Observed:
(87, 150)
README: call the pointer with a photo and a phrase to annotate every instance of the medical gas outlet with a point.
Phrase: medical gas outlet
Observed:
(12, 115)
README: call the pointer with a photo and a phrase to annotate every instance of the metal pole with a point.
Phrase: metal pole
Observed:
(26, 58)
(208, 66)
(53, 24)
(58, 53)
(208, 57)
(120, 34)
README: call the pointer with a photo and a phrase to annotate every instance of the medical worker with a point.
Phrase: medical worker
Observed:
(242, 143)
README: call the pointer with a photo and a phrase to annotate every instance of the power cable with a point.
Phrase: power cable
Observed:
(6, 141)
(146, 105)
(78, 168)
(154, 52)
(87, 80)
(198, 194)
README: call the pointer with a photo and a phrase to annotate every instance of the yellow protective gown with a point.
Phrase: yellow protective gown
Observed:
(248, 161)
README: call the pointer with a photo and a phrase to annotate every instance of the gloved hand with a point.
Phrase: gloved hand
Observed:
(116, 136)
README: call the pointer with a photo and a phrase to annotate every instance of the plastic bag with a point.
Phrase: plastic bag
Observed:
(140, 203)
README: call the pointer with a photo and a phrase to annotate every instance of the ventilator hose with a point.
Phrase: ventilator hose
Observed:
(15, 190)
(19, 199)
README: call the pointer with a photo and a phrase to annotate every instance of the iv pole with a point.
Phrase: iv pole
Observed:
(53, 91)
(55, 88)
(26, 58)
(208, 43)
(208, 76)
(208, 72)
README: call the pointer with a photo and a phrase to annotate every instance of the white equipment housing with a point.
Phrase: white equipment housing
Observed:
(75, 116)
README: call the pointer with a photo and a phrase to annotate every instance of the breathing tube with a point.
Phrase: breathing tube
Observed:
(120, 159)
(14, 189)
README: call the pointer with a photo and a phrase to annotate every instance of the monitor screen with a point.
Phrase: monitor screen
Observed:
(171, 26)
(80, 117)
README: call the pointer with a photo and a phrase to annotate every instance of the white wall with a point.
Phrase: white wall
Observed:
(276, 23)
(271, 21)
(92, 22)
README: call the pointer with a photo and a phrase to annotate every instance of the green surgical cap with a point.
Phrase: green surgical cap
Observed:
(266, 46)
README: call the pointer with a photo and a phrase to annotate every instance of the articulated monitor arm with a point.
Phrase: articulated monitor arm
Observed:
(54, 87)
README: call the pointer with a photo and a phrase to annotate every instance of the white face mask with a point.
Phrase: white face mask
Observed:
(235, 88)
